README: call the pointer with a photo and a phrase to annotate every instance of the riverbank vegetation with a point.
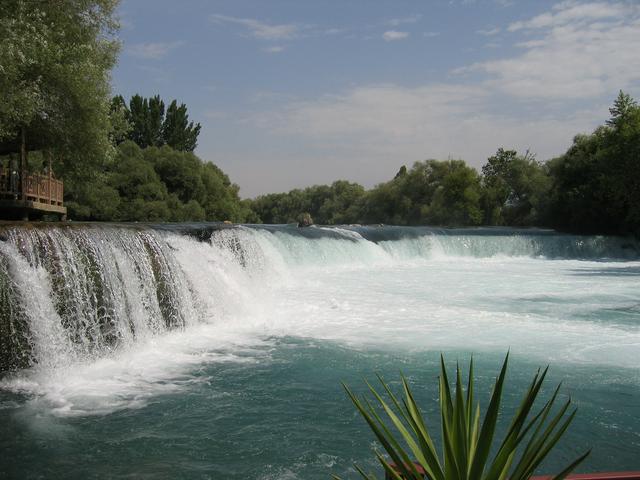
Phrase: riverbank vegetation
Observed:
(119, 161)
(593, 188)
(133, 160)
(154, 176)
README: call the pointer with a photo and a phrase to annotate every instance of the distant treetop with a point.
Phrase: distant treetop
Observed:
(149, 125)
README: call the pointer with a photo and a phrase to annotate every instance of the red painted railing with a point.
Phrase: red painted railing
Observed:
(576, 476)
(597, 476)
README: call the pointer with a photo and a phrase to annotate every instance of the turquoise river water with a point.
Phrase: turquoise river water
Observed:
(195, 351)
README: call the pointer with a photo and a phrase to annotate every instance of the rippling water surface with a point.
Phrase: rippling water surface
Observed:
(161, 355)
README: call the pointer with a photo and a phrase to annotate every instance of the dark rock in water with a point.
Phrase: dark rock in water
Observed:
(305, 220)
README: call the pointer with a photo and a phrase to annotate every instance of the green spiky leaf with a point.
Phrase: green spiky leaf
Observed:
(466, 441)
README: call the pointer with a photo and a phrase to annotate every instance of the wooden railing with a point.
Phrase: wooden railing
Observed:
(33, 187)
(597, 476)
(575, 476)
(43, 189)
(5, 182)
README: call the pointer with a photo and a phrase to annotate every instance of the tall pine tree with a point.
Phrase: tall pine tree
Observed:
(151, 126)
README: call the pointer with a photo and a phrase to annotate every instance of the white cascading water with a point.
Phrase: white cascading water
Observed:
(118, 314)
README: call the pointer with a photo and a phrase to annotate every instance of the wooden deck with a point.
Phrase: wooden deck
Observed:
(28, 196)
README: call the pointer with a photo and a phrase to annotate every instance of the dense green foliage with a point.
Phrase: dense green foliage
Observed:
(158, 184)
(154, 175)
(134, 161)
(596, 183)
(593, 188)
(328, 204)
(150, 126)
(55, 59)
(430, 193)
(515, 189)
(468, 450)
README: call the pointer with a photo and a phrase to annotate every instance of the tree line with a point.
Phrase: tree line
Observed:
(120, 161)
(153, 175)
(592, 188)
(134, 161)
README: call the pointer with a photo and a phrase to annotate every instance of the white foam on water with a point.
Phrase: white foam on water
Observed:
(131, 377)
(247, 286)
(468, 304)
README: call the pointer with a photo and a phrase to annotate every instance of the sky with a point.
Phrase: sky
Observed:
(293, 93)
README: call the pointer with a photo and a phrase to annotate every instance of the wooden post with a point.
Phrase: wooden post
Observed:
(50, 176)
(23, 162)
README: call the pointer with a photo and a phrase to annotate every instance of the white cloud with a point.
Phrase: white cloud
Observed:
(387, 110)
(153, 51)
(366, 133)
(431, 34)
(572, 11)
(334, 31)
(391, 35)
(578, 50)
(273, 49)
(394, 22)
(261, 30)
(489, 32)
(570, 62)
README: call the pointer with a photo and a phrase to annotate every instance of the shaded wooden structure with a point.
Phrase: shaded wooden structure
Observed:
(24, 195)
(28, 196)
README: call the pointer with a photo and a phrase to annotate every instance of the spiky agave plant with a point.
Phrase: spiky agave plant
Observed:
(466, 446)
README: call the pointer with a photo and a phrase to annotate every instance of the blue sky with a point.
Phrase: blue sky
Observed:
(292, 93)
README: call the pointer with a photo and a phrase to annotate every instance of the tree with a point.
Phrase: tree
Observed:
(120, 126)
(455, 200)
(158, 184)
(621, 150)
(342, 205)
(152, 126)
(146, 117)
(579, 197)
(596, 183)
(55, 59)
(402, 172)
(432, 192)
(181, 172)
(177, 131)
(338, 203)
(515, 188)
(623, 107)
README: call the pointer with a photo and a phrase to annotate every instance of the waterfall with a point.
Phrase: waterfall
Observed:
(74, 292)
(86, 291)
